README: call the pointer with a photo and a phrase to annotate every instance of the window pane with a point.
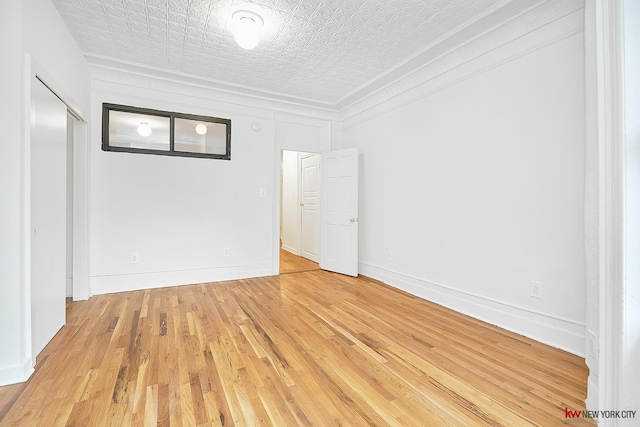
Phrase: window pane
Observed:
(133, 130)
(195, 136)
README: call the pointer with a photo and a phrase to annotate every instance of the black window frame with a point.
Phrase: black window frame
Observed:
(171, 115)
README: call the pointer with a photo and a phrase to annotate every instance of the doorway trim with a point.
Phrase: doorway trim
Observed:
(294, 133)
(611, 383)
(295, 243)
(32, 68)
(80, 179)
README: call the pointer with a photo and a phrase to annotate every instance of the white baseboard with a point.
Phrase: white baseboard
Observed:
(290, 249)
(566, 334)
(16, 374)
(133, 282)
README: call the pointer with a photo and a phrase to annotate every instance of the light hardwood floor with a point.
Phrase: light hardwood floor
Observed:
(290, 263)
(312, 348)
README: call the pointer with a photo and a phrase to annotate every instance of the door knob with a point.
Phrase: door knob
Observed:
(352, 220)
(301, 204)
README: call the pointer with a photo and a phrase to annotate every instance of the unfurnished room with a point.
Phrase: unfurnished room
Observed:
(310, 213)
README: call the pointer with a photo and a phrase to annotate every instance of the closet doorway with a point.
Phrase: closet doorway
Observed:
(48, 207)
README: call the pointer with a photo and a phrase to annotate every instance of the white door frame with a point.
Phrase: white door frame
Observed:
(80, 166)
(614, 379)
(287, 222)
(294, 133)
(81, 200)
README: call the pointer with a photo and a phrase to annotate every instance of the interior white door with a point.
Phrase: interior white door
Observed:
(48, 214)
(339, 211)
(310, 223)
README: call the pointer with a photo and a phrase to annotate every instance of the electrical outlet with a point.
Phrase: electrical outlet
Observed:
(536, 289)
(135, 257)
(227, 252)
(390, 255)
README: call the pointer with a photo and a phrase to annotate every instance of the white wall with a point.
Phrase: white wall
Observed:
(33, 38)
(475, 183)
(179, 214)
(13, 366)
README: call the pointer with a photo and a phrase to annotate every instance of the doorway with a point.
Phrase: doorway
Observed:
(48, 218)
(300, 211)
(57, 171)
(338, 182)
(71, 121)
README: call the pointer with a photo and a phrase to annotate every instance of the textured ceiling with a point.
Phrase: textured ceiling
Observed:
(320, 51)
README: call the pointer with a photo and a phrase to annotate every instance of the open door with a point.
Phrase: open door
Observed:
(339, 212)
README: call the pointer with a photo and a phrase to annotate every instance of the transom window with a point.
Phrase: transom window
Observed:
(142, 130)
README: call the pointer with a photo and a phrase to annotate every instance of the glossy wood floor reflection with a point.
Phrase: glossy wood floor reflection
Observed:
(310, 349)
(290, 263)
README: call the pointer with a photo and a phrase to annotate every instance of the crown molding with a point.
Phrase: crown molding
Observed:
(104, 74)
(509, 21)
(161, 73)
(440, 61)
(492, 17)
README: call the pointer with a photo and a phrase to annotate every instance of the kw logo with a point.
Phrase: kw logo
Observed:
(572, 414)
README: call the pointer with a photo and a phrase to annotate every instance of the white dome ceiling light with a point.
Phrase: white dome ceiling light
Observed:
(201, 129)
(247, 27)
(144, 129)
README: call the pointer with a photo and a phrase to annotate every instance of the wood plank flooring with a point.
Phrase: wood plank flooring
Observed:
(290, 263)
(311, 349)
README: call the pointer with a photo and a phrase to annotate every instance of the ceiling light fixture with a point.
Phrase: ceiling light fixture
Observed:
(247, 27)
(201, 129)
(144, 129)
